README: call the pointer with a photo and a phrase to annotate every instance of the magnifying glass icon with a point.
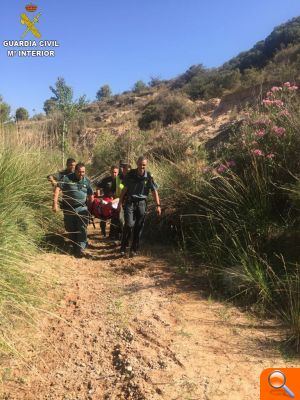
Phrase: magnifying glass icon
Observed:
(277, 380)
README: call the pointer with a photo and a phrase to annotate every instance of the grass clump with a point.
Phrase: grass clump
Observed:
(25, 217)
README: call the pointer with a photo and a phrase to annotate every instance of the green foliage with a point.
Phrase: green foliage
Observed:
(25, 217)
(69, 109)
(257, 57)
(252, 77)
(275, 59)
(22, 114)
(139, 87)
(4, 111)
(63, 100)
(155, 81)
(111, 147)
(194, 71)
(104, 93)
(50, 105)
(63, 94)
(213, 83)
(165, 110)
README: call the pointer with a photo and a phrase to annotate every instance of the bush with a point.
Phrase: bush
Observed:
(4, 111)
(213, 83)
(22, 114)
(165, 110)
(104, 93)
(139, 87)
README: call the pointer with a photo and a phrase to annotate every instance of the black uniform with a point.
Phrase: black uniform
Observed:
(138, 188)
(108, 186)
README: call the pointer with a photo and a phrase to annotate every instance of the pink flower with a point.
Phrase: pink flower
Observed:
(276, 89)
(263, 121)
(206, 169)
(292, 88)
(287, 84)
(260, 133)
(284, 113)
(279, 131)
(270, 156)
(257, 152)
(267, 102)
(278, 103)
(230, 163)
(221, 168)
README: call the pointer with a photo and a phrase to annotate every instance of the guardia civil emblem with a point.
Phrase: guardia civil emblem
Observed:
(30, 24)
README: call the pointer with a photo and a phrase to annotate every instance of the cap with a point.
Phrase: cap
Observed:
(123, 163)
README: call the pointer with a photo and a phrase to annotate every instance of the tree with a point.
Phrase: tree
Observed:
(70, 109)
(154, 81)
(22, 114)
(63, 94)
(50, 105)
(104, 93)
(139, 87)
(4, 111)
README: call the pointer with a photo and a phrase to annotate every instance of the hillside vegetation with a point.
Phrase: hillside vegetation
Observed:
(223, 145)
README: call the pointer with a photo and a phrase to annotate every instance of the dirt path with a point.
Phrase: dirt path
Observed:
(133, 329)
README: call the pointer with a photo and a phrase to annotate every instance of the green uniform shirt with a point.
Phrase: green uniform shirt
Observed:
(58, 175)
(75, 191)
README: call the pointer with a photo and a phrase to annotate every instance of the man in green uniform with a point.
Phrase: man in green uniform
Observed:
(138, 182)
(70, 167)
(77, 192)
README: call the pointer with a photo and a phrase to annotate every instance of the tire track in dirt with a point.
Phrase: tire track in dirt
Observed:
(134, 329)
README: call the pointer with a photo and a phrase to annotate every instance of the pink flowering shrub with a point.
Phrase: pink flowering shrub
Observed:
(240, 217)
(270, 134)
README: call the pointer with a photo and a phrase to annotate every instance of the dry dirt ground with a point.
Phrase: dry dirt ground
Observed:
(137, 329)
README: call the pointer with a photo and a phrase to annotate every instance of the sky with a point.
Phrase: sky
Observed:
(118, 42)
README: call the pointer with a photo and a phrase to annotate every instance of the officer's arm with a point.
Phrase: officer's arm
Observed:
(122, 195)
(52, 179)
(157, 201)
(90, 199)
(55, 198)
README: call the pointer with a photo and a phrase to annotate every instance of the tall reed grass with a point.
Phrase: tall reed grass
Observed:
(25, 217)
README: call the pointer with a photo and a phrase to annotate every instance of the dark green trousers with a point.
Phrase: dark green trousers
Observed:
(134, 214)
(76, 225)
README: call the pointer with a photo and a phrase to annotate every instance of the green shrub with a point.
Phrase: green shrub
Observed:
(22, 114)
(139, 87)
(165, 110)
(104, 93)
(4, 111)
